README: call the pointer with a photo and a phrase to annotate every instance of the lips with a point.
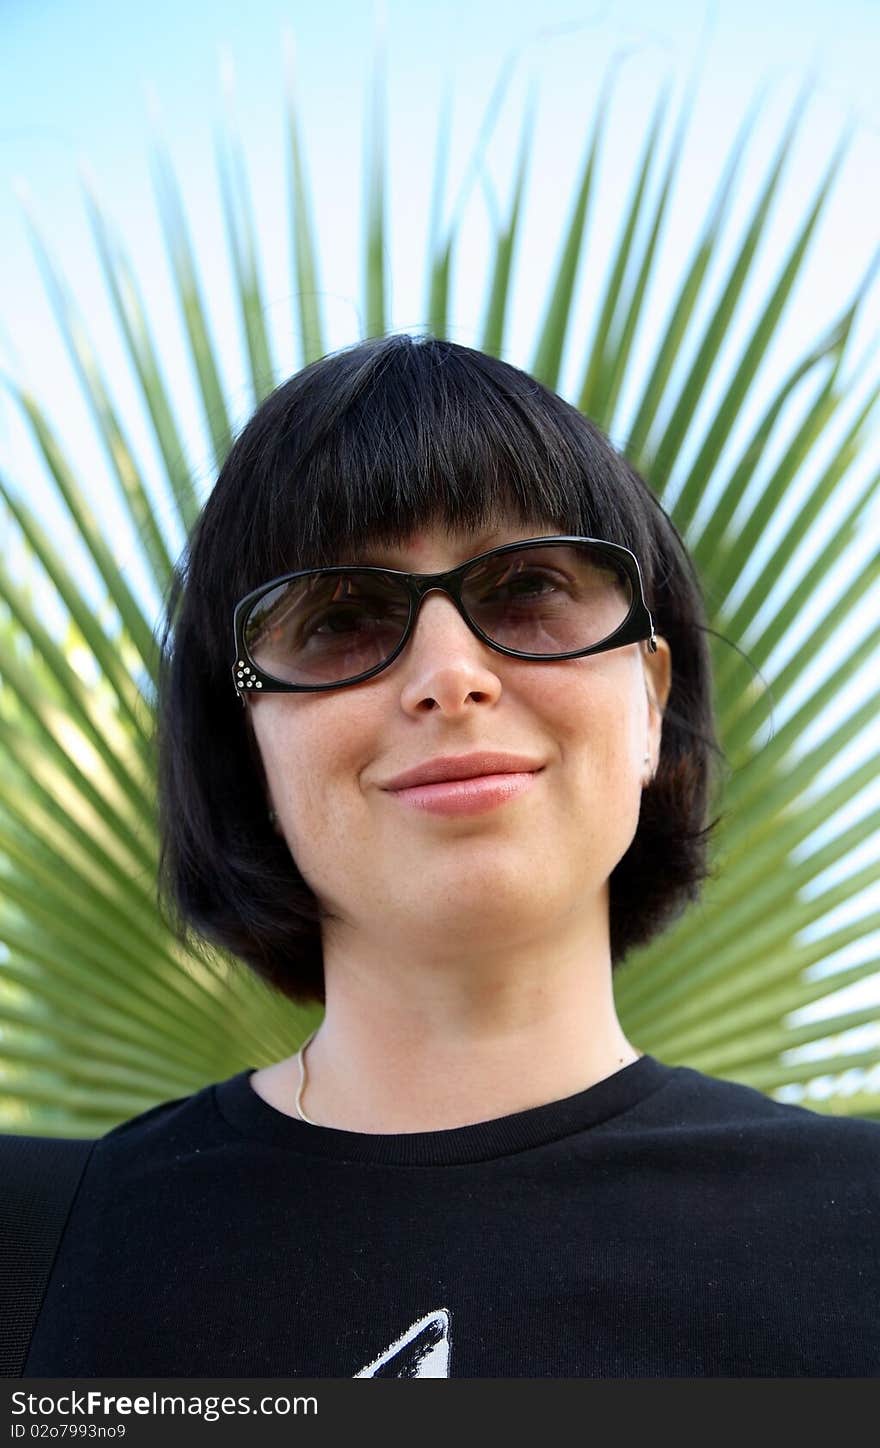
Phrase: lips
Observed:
(463, 766)
(467, 796)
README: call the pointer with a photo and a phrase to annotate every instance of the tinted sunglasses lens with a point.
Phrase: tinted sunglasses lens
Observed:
(547, 599)
(551, 599)
(324, 628)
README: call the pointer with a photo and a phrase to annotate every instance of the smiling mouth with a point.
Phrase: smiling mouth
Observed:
(467, 796)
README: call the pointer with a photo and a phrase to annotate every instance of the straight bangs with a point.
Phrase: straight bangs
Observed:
(363, 448)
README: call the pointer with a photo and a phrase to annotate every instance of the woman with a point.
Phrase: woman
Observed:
(470, 1171)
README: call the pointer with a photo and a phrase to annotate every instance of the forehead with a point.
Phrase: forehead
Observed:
(423, 542)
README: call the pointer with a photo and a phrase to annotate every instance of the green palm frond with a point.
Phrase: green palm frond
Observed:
(303, 248)
(240, 231)
(102, 1014)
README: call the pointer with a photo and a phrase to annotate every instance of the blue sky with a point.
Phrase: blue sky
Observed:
(82, 80)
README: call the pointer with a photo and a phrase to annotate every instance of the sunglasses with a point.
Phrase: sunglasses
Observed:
(541, 598)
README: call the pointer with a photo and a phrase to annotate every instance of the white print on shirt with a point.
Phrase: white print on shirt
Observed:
(422, 1351)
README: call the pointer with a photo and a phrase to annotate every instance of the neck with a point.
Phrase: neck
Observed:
(452, 1050)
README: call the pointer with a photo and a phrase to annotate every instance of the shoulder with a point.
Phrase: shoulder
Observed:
(154, 1161)
(742, 1117)
(163, 1116)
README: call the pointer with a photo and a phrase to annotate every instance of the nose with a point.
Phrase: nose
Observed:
(438, 622)
(444, 663)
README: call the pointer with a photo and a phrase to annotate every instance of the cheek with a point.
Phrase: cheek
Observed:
(597, 723)
(313, 776)
(595, 712)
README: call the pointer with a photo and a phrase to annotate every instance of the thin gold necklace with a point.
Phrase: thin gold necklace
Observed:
(302, 1080)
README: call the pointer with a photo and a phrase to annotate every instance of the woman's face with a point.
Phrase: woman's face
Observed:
(386, 867)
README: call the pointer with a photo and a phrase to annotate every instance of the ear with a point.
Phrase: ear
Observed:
(254, 748)
(658, 683)
(257, 758)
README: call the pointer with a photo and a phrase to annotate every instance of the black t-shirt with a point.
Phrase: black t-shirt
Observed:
(661, 1223)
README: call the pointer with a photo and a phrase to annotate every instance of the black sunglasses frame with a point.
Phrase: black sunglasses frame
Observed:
(637, 625)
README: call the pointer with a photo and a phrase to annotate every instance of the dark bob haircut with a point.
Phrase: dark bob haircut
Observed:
(364, 446)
